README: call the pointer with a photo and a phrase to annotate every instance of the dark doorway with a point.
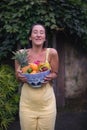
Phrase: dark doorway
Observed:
(60, 83)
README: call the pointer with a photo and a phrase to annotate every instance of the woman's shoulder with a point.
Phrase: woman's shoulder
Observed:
(53, 51)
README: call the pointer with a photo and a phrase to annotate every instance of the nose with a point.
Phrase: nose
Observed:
(38, 34)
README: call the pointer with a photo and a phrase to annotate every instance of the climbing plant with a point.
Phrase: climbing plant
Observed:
(16, 17)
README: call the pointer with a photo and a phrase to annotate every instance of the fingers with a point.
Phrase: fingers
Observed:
(21, 77)
(51, 76)
(48, 78)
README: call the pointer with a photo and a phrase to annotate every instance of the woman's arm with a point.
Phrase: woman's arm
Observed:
(17, 68)
(18, 73)
(54, 62)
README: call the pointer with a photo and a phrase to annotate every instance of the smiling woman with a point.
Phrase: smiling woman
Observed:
(38, 105)
(38, 34)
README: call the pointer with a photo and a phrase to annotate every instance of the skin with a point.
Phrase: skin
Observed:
(38, 37)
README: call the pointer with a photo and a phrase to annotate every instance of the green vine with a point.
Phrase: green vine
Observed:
(16, 18)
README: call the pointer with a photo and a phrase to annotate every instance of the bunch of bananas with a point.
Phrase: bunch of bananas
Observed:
(44, 66)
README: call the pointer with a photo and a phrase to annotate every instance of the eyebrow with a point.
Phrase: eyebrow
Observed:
(37, 30)
(40, 30)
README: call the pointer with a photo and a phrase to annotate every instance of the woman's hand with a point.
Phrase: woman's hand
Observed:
(21, 77)
(50, 77)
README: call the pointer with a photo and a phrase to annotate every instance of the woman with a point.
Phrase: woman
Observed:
(38, 106)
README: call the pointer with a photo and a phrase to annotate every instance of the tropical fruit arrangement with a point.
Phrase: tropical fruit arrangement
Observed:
(31, 68)
(34, 72)
(35, 67)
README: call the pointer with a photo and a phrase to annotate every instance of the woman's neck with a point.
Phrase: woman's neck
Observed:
(37, 49)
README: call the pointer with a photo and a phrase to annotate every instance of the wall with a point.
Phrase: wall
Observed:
(75, 72)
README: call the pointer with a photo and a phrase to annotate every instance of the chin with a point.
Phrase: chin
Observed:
(39, 44)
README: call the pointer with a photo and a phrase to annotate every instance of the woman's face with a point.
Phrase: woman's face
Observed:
(38, 36)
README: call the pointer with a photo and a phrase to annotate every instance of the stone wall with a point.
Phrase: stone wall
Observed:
(75, 72)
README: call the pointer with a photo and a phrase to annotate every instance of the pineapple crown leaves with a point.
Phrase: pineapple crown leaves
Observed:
(21, 57)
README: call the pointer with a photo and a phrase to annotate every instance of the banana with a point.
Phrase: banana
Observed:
(47, 65)
(44, 65)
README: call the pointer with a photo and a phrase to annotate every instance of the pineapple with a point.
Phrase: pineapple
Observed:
(21, 57)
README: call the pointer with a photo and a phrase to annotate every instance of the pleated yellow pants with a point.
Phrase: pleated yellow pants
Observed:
(37, 108)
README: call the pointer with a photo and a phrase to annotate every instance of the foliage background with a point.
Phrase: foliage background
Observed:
(17, 16)
(9, 96)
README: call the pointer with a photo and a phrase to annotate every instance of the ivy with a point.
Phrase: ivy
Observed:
(16, 18)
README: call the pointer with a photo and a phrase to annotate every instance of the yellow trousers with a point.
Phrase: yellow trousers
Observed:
(37, 108)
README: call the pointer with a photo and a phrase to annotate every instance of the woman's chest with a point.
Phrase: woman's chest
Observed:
(36, 57)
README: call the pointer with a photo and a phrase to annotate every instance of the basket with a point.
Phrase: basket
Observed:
(35, 80)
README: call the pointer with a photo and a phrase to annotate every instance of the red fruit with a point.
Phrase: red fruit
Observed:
(44, 68)
(37, 62)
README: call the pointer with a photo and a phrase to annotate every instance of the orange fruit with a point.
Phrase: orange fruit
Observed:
(40, 64)
(33, 72)
(25, 68)
(34, 66)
